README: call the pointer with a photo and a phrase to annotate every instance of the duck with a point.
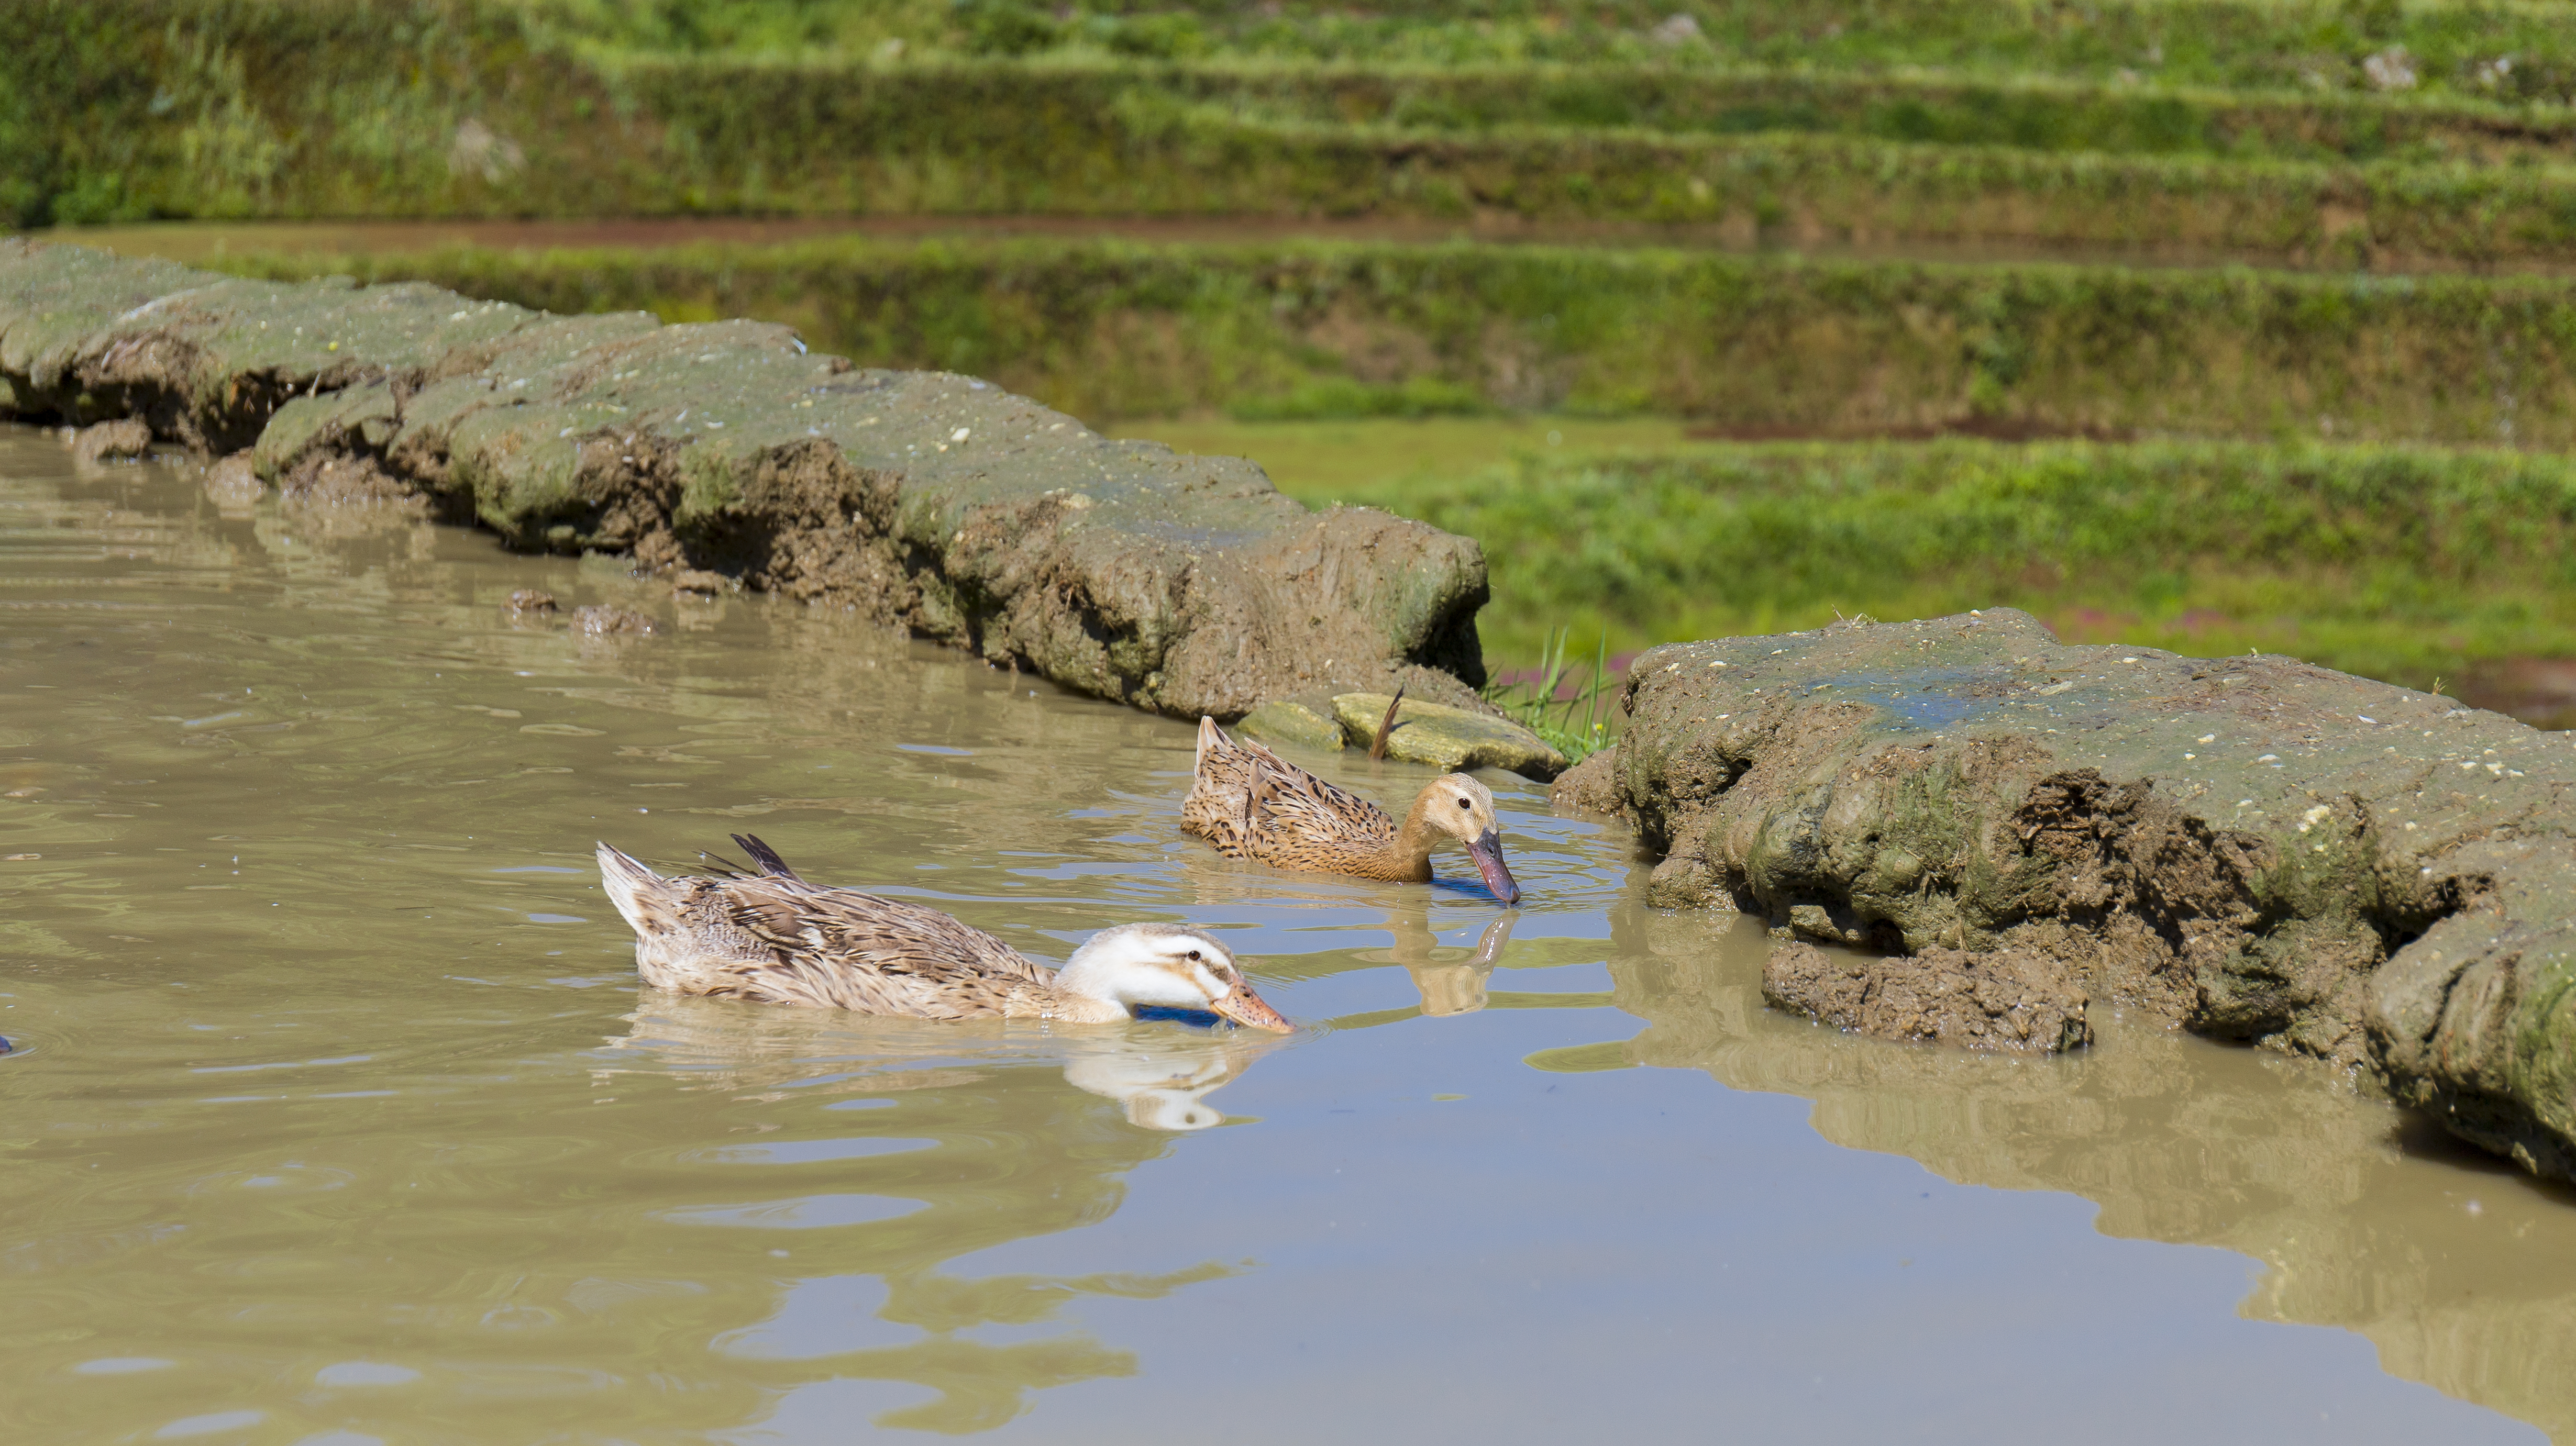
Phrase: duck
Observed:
(774, 938)
(1252, 804)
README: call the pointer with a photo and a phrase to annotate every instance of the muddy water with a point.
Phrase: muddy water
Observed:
(337, 1113)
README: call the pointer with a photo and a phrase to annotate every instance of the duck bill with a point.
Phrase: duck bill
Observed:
(1487, 851)
(1249, 1010)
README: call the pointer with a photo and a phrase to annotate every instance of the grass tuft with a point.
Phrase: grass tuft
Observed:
(1576, 724)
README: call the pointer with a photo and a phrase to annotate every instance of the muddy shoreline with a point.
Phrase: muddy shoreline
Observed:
(2255, 849)
(723, 455)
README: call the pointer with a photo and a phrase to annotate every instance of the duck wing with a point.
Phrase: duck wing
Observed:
(1221, 790)
(1299, 820)
(850, 950)
(1252, 803)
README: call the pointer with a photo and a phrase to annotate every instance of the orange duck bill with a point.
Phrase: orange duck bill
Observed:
(1487, 851)
(1249, 1010)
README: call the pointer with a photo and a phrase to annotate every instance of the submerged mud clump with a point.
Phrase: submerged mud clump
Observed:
(724, 455)
(2013, 999)
(605, 620)
(2254, 848)
(99, 442)
(234, 482)
(342, 481)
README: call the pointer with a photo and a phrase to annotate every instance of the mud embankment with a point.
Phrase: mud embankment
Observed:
(725, 455)
(2252, 848)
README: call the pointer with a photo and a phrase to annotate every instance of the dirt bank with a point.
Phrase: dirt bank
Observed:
(933, 501)
(2253, 848)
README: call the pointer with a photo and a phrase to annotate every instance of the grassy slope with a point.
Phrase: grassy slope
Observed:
(2403, 563)
(1107, 329)
(2222, 122)
(2037, 113)
(235, 108)
(2237, 44)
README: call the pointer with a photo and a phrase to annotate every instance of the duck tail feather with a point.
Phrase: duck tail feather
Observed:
(1211, 739)
(642, 897)
(767, 857)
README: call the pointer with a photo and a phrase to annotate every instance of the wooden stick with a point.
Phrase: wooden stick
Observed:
(1252, 800)
(1377, 745)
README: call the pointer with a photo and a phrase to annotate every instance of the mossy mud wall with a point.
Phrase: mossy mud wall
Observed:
(2252, 847)
(1761, 346)
(726, 454)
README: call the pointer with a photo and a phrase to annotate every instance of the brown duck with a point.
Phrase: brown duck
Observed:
(1253, 804)
(774, 938)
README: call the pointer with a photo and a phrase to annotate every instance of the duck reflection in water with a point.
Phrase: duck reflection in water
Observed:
(1002, 1131)
(1158, 1074)
(1451, 979)
(1162, 1079)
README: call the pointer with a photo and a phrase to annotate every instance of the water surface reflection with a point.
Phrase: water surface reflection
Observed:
(2459, 1268)
(974, 1126)
(339, 1108)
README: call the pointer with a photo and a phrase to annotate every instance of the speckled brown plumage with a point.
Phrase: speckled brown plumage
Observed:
(1252, 804)
(774, 938)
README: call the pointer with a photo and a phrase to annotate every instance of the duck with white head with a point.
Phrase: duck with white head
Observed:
(773, 937)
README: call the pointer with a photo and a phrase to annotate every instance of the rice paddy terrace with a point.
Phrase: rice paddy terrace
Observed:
(2183, 244)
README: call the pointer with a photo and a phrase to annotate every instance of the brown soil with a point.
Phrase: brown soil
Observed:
(1591, 786)
(726, 455)
(2013, 999)
(124, 438)
(2251, 847)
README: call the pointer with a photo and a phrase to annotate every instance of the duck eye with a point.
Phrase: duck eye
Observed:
(1462, 803)
(1194, 953)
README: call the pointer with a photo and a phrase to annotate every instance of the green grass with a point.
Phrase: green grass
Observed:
(1107, 329)
(135, 109)
(2280, 44)
(1352, 459)
(1568, 701)
(2400, 563)
(2411, 564)
(1913, 105)
(1524, 395)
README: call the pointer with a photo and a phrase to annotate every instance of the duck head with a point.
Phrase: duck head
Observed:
(1165, 966)
(1462, 808)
